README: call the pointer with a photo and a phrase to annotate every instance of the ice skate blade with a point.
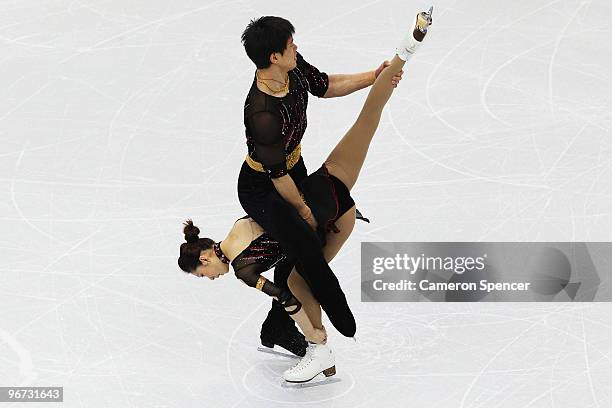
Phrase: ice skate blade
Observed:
(270, 345)
(328, 372)
(288, 354)
(311, 384)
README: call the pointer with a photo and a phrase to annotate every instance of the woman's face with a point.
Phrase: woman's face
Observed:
(211, 267)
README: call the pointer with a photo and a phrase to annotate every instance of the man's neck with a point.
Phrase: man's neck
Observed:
(272, 72)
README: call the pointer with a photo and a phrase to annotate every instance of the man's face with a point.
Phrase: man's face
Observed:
(288, 59)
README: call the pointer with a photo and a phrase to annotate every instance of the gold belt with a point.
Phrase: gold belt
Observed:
(292, 158)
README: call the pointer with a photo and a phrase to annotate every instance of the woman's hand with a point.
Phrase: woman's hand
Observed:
(316, 336)
(396, 78)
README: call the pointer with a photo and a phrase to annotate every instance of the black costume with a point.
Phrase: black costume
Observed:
(254, 185)
(329, 199)
(274, 128)
(262, 254)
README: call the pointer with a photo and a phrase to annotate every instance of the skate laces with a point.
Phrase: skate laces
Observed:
(305, 361)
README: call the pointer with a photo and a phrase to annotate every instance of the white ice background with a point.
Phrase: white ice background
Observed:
(119, 119)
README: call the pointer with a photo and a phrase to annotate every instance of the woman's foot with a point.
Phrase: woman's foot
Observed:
(417, 33)
(319, 359)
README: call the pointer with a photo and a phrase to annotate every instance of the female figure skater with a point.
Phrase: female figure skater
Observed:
(251, 250)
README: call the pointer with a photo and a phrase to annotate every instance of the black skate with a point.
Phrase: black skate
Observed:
(285, 335)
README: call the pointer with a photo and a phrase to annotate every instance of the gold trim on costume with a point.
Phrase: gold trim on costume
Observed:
(292, 158)
(260, 282)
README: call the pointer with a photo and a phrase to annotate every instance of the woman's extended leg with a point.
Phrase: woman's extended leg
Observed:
(347, 158)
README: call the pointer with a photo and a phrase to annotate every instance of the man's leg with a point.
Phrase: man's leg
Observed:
(279, 328)
(300, 241)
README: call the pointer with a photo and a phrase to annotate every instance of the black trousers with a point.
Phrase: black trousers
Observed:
(299, 241)
(256, 195)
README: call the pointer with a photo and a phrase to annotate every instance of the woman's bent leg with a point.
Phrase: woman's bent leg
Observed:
(298, 285)
(335, 241)
(300, 289)
(300, 241)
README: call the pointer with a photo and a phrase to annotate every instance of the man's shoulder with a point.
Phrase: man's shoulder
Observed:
(257, 102)
(299, 63)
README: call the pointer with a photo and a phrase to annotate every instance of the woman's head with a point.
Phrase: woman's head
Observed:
(197, 255)
(270, 39)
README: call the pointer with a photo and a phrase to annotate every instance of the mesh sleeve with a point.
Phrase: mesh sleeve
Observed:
(318, 82)
(251, 275)
(268, 140)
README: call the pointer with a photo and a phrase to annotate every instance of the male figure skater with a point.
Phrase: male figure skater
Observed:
(275, 122)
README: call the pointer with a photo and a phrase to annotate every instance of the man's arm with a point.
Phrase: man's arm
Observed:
(345, 84)
(270, 150)
(288, 190)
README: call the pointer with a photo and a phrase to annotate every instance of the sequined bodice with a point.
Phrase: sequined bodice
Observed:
(264, 251)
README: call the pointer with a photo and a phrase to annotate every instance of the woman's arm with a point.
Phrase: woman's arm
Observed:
(251, 276)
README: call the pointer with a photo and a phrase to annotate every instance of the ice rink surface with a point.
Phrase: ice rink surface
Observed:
(120, 119)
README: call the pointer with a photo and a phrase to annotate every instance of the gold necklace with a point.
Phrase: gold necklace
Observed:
(272, 79)
(284, 89)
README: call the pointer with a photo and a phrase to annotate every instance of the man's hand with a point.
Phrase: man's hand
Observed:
(395, 80)
(307, 215)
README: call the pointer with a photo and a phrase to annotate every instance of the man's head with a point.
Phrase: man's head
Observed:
(269, 40)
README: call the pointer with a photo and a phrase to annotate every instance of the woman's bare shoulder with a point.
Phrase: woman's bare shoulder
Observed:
(243, 232)
(248, 227)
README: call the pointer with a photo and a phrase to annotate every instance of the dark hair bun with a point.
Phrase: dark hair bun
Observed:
(191, 231)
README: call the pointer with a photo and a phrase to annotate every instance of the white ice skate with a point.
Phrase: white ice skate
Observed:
(413, 39)
(319, 358)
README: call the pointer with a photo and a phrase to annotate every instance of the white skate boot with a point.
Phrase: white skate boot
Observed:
(413, 39)
(319, 358)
